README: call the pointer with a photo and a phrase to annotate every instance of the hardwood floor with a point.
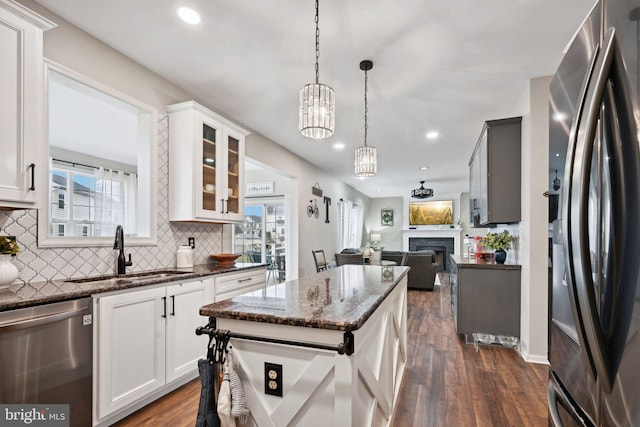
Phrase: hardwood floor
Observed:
(446, 382)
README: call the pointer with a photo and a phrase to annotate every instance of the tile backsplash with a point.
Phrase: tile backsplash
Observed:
(36, 264)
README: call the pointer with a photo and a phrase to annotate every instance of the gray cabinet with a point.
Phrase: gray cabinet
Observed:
(485, 298)
(494, 174)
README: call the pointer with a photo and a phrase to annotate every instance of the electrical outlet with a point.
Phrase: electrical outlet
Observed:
(273, 379)
(192, 242)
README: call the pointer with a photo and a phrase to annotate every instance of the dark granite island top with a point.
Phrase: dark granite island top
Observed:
(31, 294)
(341, 299)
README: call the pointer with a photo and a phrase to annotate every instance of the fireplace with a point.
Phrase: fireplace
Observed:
(442, 246)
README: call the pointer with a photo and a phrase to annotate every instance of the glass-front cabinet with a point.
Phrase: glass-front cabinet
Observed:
(206, 165)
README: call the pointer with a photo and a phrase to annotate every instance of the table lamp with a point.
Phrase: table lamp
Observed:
(375, 239)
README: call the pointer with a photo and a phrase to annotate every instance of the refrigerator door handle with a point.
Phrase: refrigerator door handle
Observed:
(566, 203)
(552, 402)
(556, 396)
(578, 221)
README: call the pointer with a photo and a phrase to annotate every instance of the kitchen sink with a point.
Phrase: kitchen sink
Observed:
(121, 279)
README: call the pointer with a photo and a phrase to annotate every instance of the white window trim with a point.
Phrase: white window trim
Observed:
(46, 241)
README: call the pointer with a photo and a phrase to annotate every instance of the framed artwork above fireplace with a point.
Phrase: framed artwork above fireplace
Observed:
(433, 212)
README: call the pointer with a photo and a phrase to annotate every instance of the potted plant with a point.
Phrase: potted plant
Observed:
(8, 271)
(499, 242)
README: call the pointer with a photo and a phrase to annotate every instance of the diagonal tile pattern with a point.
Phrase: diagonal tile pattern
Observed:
(37, 265)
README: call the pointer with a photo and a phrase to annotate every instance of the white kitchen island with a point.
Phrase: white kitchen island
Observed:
(362, 307)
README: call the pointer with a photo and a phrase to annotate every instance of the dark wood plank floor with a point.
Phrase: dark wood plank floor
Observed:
(446, 382)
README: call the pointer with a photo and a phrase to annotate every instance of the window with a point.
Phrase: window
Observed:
(60, 199)
(113, 134)
(58, 229)
(82, 230)
(97, 200)
(262, 237)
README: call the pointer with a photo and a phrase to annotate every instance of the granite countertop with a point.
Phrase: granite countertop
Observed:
(31, 294)
(340, 298)
(472, 263)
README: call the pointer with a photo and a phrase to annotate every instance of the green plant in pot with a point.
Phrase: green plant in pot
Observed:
(499, 242)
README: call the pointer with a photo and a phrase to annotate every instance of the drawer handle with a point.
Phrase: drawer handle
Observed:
(245, 280)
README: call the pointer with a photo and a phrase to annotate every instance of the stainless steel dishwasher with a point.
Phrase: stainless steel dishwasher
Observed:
(46, 357)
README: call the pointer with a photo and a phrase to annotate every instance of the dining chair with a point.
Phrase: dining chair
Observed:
(320, 260)
(343, 259)
(254, 256)
(277, 266)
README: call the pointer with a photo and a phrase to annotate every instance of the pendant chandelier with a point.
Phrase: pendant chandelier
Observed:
(422, 193)
(317, 103)
(366, 161)
(556, 182)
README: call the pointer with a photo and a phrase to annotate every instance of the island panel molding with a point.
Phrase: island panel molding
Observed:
(322, 387)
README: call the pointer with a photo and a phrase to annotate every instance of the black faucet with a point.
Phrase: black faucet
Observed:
(119, 245)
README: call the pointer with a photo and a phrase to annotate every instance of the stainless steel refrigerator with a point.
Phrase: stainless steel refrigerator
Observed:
(594, 325)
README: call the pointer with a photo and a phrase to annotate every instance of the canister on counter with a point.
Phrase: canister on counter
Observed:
(184, 257)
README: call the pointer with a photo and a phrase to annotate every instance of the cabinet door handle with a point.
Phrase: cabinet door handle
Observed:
(164, 307)
(245, 280)
(173, 305)
(221, 205)
(32, 166)
(226, 206)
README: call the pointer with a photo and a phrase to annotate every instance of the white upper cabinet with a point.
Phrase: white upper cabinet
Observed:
(206, 165)
(22, 138)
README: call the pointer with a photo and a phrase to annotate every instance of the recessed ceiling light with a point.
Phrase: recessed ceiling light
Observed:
(189, 15)
(432, 134)
(338, 145)
(424, 168)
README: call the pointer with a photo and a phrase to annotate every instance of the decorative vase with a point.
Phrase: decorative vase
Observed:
(8, 271)
(500, 256)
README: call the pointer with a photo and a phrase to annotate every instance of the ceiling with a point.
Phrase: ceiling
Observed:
(438, 66)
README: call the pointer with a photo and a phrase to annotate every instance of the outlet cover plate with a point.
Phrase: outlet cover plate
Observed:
(273, 379)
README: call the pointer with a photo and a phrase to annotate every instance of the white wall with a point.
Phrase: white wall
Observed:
(391, 236)
(533, 245)
(308, 233)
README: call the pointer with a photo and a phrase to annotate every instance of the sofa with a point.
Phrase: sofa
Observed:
(422, 275)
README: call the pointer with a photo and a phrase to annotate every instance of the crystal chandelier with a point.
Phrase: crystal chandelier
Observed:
(366, 162)
(317, 103)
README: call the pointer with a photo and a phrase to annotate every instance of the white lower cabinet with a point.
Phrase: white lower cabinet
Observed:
(230, 285)
(183, 347)
(145, 341)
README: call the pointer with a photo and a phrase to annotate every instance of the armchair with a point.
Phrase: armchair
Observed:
(399, 257)
(423, 271)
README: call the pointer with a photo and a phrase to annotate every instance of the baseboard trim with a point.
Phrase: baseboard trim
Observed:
(534, 358)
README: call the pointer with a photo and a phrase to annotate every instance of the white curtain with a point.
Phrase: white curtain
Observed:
(351, 220)
(109, 202)
(130, 198)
